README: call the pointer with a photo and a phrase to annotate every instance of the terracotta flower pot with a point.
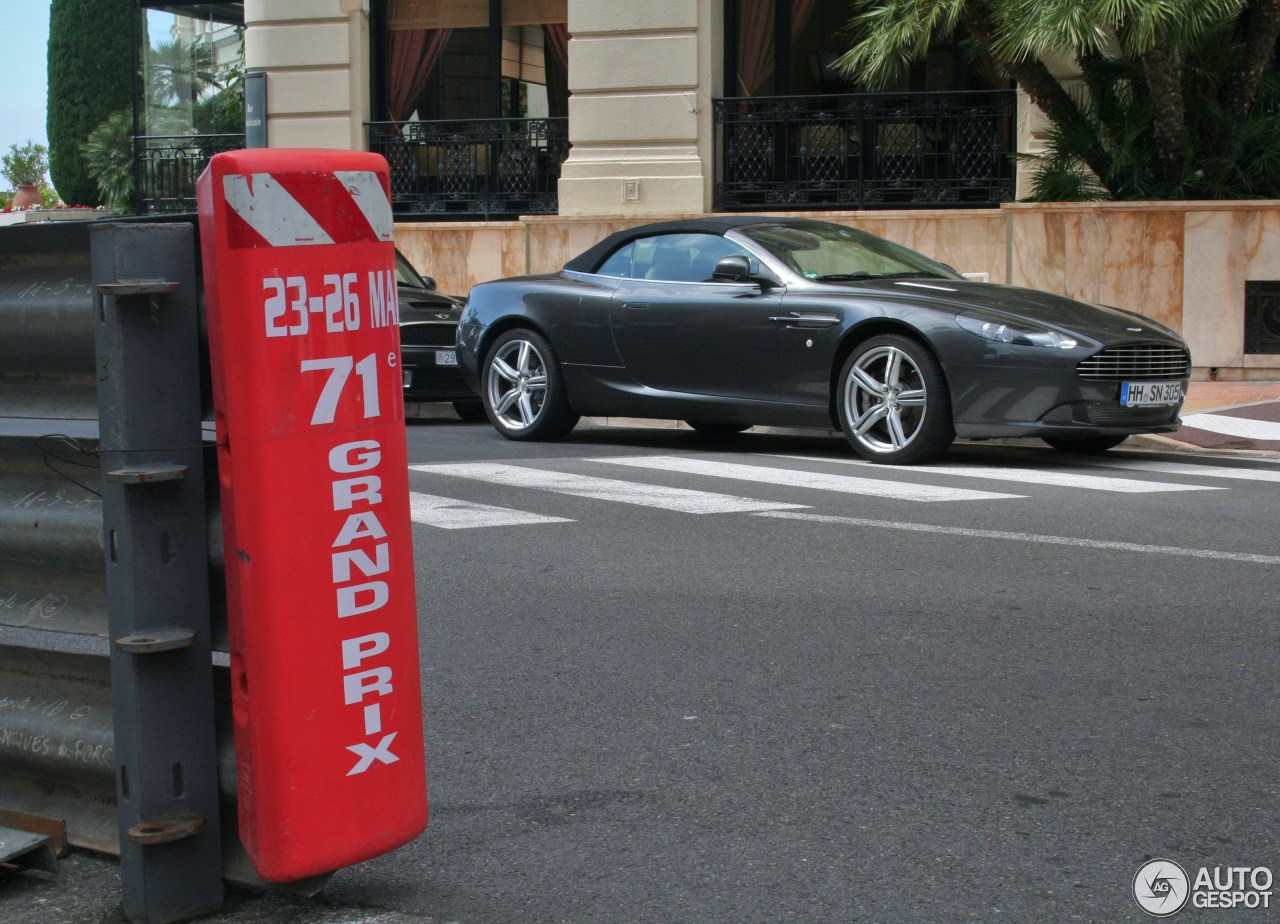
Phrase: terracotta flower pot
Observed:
(26, 196)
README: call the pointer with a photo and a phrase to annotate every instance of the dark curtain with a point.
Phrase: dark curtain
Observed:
(756, 40)
(556, 40)
(414, 54)
(755, 45)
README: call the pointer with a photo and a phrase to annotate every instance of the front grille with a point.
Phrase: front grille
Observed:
(428, 335)
(1137, 362)
(1108, 414)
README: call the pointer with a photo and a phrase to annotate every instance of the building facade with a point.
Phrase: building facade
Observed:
(500, 108)
(519, 131)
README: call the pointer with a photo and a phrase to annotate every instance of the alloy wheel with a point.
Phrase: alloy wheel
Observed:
(517, 384)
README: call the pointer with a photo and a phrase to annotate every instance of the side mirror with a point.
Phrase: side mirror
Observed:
(429, 283)
(732, 269)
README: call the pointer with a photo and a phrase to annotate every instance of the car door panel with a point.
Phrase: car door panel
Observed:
(698, 338)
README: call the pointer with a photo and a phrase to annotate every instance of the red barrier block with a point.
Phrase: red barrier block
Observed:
(305, 349)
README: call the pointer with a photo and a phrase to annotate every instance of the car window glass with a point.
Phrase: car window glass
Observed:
(619, 262)
(405, 273)
(824, 251)
(682, 257)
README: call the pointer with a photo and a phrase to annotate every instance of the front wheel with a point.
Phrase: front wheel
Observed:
(523, 390)
(893, 401)
(1085, 445)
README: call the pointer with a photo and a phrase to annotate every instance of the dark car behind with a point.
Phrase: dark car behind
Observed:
(428, 334)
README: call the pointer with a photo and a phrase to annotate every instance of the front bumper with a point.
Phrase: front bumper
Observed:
(427, 380)
(991, 402)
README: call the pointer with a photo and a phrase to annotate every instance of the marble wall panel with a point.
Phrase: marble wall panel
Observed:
(460, 254)
(1213, 291)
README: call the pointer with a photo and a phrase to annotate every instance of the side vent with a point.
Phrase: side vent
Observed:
(1262, 316)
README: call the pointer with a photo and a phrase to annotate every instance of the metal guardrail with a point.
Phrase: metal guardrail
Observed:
(865, 150)
(106, 532)
(473, 168)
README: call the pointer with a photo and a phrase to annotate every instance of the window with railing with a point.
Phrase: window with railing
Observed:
(167, 167)
(473, 168)
(865, 150)
(189, 97)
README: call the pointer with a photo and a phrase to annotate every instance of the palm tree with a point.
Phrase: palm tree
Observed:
(1162, 44)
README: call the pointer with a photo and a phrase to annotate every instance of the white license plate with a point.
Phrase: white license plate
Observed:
(408, 377)
(446, 357)
(1150, 394)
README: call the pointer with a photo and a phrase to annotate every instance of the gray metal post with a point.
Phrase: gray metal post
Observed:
(148, 367)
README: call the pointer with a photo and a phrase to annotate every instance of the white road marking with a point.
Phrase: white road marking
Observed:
(820, 481)
(1265, 430)
(606, 489)
(447, 513)
(1032, 476)
(1186, 468)
(1249, 557)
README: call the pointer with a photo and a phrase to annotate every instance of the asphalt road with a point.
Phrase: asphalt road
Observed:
(797, 688)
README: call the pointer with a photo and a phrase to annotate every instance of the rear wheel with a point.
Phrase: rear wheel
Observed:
(893, 401)
(523, 389)
(1085, 445)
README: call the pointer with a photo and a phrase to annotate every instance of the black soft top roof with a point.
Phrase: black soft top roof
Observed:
(592, 257)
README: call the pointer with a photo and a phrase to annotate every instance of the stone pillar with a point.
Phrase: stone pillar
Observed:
(640, 122)
(315, 54)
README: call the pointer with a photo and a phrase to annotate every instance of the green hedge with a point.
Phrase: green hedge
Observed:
(90, 77)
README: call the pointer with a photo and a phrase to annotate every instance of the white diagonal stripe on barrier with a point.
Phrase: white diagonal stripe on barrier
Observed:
(447, 513)
(680, 500)
(272, 211)
(1033, 476)
(371, 199)
(820, 481)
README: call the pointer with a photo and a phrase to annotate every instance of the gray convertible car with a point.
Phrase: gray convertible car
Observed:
(730, 322)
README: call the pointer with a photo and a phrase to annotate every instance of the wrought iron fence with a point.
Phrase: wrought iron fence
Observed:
(473, 168)
(168, 166)
(865, 150)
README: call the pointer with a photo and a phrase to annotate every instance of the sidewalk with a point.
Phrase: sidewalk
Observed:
(1228, 416)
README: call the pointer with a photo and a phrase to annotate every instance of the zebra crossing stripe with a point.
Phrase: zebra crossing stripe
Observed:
(1104, 544)
(1202, 471)
(447, 513)
(820, 481)
(1034, 476)
(680, 500)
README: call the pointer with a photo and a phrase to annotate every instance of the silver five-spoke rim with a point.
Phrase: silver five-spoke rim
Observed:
(884, 400)
(517, 384)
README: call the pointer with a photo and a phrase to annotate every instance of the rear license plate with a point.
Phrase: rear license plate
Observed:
(1150, 394)
(446, 357)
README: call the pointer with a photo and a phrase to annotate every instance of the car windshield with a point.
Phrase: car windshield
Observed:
(406, 275)
(833, 253)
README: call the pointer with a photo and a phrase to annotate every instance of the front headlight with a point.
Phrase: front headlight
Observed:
(1019, 332)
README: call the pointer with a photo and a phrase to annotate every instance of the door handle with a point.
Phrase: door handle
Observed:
(637, 304)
